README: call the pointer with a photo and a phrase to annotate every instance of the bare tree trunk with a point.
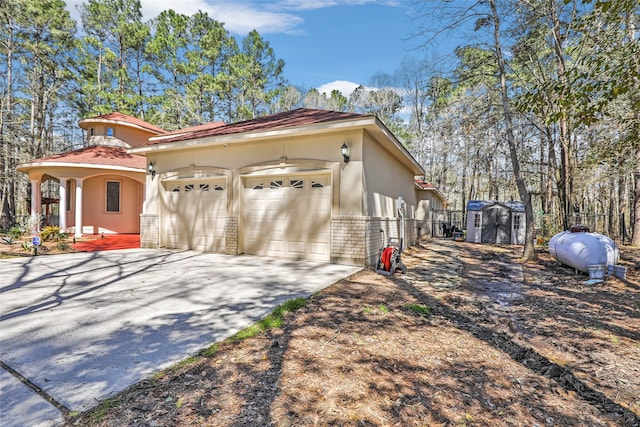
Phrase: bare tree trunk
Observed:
(529, 249)
(8, 199)
(635, 240)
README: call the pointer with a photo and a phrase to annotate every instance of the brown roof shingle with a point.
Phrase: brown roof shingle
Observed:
(98, 155)
(116, 116)
(288, 119)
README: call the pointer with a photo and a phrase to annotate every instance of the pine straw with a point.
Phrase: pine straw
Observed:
(504, 344)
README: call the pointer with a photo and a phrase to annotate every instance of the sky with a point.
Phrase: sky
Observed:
(326, 44)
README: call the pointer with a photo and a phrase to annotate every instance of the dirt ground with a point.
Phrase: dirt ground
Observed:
(503, 344)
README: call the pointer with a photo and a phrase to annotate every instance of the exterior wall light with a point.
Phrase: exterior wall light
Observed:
(152, 169)
(345, 152)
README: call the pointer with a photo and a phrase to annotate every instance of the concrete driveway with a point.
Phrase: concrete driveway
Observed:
(81, 327)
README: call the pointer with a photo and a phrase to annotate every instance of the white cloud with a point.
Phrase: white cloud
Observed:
(345, 87)
(321, 4)
(238, 17)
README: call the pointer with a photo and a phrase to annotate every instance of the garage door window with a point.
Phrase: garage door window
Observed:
(276, 184)
(113, 196)
(297, 183)
(315, 184)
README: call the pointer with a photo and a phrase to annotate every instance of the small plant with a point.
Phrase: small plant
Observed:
(421, 310)
(27, 246)
(15, 233)
(383, 308)
(63, 246)
(8, 240)
(367, 310)
(52, 233)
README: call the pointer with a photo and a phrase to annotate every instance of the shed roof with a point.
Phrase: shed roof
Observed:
(478, 205)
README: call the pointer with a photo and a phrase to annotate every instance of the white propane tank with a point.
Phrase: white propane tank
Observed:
(578, 250)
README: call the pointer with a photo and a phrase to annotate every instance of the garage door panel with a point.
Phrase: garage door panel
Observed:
(288, 216)
(198, 215)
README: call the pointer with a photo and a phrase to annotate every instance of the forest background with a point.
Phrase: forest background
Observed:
(541, 105)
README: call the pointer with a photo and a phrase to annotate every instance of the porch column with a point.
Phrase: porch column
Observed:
(78, 226)
(62, 205)
(144, 197)
(36, 205)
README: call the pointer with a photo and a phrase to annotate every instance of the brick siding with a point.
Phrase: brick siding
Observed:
(357, 240)
(149, 231)
(231, 235)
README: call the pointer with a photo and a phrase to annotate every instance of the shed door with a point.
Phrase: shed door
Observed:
(195, 214)
(288, 216)
(496, 225)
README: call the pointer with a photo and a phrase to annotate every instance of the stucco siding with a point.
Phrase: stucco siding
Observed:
(130, 136)
(97, 220)
(384, 180)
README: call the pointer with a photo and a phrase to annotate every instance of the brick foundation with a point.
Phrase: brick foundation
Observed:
(231, 235)
(357, 240)
(149, 231)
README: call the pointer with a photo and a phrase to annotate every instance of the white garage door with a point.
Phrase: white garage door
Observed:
(288, 216)
(195, 215)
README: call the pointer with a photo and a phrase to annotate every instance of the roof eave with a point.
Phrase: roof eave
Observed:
(27, 167)
(433, 190)
(236, 138)
(400, 151)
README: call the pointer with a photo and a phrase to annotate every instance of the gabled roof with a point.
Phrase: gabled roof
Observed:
(478, 205)
(99, 155)
(288, 119)
(122, 119)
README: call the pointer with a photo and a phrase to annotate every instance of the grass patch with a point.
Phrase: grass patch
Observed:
(272, 321)
(104, 407)
(383, 308)
(421, 310)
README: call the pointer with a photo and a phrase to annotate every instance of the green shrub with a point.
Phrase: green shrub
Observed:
(15, 232)
(52, 233)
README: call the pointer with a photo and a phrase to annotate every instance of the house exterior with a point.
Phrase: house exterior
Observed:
(496, 222)
(101, 186)
(305, 184)
(280, 186)
(429, 199)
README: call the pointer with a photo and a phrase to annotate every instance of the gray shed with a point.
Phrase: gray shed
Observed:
(495, 222)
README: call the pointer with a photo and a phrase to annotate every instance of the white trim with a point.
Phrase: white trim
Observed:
(78, 223)
(77, 165)
(62, 203)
